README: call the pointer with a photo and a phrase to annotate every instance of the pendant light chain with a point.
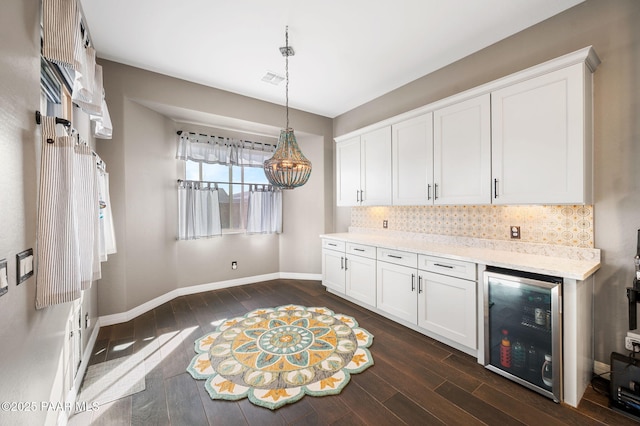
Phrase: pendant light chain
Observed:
(286, 68)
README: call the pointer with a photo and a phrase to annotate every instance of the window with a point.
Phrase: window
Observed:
(233, 195)
(55, 90)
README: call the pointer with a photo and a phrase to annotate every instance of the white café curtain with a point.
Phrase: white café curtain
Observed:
(219, 150)
(71, 224)
(198, 210)
(264, 215)
(65, 41)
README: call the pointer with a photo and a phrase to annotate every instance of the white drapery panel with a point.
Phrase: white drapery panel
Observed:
(218, 150)
(107, 237)
(65, 41)
(264, 215)
(70, 226)
(199, 210)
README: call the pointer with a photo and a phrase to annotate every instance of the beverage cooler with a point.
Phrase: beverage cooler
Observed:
(523, 329)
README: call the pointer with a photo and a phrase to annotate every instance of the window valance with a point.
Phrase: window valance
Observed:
(218, 150)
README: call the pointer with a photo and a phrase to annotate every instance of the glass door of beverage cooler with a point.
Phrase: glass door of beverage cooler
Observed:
(523, 340)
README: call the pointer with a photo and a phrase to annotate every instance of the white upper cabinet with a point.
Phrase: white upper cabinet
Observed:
(462, 152)
(541, 136)
(348, 172)
(375, 167)
(525, 138)
(363, 169)
(412, 161)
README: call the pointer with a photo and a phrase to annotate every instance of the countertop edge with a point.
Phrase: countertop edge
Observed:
(548, 265)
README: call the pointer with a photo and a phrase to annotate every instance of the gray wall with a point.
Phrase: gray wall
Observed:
(143, 171)
(612, 28)
(31, 340)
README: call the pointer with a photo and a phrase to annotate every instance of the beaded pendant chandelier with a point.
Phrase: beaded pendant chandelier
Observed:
(288, 168)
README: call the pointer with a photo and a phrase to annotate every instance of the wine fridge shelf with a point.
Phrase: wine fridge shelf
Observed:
(532, 325)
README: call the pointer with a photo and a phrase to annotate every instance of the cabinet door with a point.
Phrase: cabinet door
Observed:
(396, 291)
(447, 307)
(462, 152)
(375, 167)
(538, 140)
(412, 161)
(361, 279)
(348, 172)
(333, 276)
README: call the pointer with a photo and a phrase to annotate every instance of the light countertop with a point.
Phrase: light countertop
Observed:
(561, 261)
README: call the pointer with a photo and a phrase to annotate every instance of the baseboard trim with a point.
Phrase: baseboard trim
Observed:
(300, 276)
(184, 291)
(601, 369)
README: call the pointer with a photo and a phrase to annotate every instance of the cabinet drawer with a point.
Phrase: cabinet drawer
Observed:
(453, 268)
(361, 250)
(333, 245)
(398, 257)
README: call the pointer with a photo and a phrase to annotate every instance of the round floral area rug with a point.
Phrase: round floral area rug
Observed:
(277, 355)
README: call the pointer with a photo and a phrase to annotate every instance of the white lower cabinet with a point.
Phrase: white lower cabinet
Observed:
(350, 269)
(447, 307)
(333, 258)
(447, 303)
(435, 295)
(361, 273)
(397, 284)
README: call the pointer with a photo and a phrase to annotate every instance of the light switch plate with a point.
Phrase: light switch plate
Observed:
(24, 265)
(4, 278)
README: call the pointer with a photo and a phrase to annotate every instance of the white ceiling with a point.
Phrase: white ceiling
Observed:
(347, 52)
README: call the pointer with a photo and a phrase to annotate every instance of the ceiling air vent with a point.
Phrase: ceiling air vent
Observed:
(273, 78)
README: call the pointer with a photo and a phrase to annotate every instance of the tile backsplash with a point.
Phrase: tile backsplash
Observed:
(560, 225)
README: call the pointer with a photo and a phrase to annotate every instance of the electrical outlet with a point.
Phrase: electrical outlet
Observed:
(632, 339)
(234, 265)
(515, 232)
(385, 224)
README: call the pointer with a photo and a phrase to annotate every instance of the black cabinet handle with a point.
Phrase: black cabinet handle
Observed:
(358, 249)
(345, 264)
(495, 188)
(420, 284)
(443, 266)
(428, 191)
(413, 282)
(342, 263)
(394, 256)
(435, 191)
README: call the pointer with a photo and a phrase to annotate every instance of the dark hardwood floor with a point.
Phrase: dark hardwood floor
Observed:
(415, 380)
